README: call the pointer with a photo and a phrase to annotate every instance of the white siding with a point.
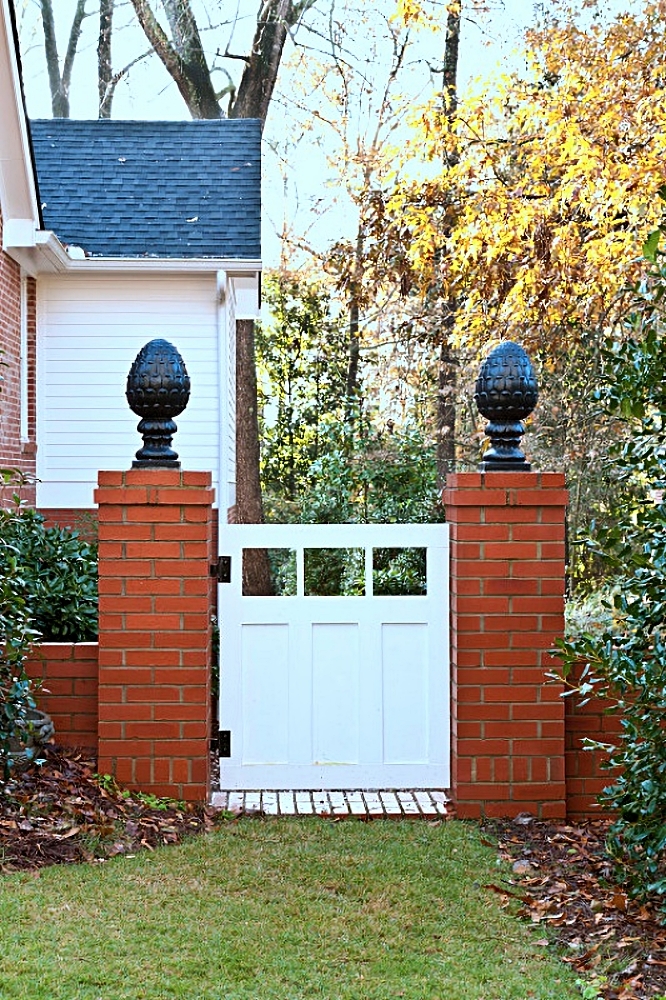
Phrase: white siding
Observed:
(90, 329)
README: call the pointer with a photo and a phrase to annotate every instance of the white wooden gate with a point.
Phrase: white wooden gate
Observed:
(339, 691)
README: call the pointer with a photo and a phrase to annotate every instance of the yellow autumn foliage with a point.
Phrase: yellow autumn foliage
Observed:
(535, 226)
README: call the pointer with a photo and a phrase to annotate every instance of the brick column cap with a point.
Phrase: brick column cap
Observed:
(505, 480)
(154, 477)
(505, 489)
(154, 487)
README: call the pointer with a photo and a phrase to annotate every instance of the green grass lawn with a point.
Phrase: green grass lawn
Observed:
(277, 908)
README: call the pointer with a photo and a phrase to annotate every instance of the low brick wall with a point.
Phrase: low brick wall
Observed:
(586, 777)
(69, 675)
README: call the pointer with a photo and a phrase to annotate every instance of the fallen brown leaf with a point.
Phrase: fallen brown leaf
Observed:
(591, 916)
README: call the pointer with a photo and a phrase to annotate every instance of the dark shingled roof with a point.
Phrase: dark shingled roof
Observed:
(152, 189)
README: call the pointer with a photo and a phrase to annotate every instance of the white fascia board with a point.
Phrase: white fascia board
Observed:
(46, 255)
(18, 191)
(164, 264)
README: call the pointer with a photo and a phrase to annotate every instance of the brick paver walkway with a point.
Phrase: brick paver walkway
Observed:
(382, 804)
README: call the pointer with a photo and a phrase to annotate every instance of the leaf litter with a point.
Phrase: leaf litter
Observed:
(62, 812)
(566, 886)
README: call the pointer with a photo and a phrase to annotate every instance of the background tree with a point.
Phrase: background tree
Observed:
(532, 227)
(60, 77)
(303, 367)
(359, 99)
(555, 179)
(314, 468)
(182, 53)
(381, 266)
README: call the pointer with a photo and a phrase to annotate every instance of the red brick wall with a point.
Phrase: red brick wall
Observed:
(586, 776)
(155, 548)
(83, 520)
(13, 452)
(507, 608)
(69, 675)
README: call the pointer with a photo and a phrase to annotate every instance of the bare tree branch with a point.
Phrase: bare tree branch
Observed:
(59, 83)
(188, 68)
(106, 99)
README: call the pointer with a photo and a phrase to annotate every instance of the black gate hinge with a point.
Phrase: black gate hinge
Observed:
(221, 570)
(224, 743)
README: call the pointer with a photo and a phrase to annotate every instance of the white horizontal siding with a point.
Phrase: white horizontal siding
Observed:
(90, 329)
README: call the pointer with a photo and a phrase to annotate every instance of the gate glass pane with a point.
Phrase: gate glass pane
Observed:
(269, 573)
(334, 572)
(399, 572)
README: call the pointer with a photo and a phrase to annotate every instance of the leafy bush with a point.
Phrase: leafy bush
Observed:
(625, 660)
(54, 572)
(384, 478)
(17, 635)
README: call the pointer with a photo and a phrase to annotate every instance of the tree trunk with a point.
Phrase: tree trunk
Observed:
(354, 356)
(249, 507)
(59, 82)
(104, 63)
(186, 65)
(258, 81)
(451, 55)
(354, 348)
(447, 373)
(446, 410)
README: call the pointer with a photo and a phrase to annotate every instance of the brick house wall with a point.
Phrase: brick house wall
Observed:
(14, 452)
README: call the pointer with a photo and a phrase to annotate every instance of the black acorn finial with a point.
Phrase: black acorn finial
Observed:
(506, 393)
(158, 388)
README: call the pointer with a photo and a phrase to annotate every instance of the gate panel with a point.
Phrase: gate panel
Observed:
(338, 691)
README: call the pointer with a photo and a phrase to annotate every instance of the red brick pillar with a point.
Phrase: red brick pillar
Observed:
(155, 531)
(507, 608)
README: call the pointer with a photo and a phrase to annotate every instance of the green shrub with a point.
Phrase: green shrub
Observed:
(54, 572)
(17, 635)
(625, 658)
